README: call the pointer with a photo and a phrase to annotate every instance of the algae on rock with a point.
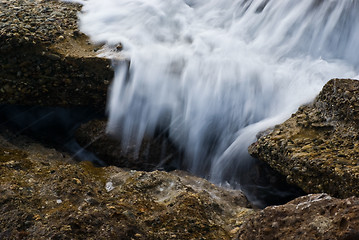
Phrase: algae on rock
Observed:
(44, 194)
(318, 147)
(315, 216)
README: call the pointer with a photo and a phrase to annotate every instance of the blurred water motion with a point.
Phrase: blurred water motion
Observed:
(214, 73)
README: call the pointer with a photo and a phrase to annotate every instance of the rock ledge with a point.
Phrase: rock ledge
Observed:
(318, 147)
(45, 60)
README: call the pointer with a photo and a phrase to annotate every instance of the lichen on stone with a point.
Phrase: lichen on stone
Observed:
(317, 148)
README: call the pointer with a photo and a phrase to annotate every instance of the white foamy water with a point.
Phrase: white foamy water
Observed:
(216, 72)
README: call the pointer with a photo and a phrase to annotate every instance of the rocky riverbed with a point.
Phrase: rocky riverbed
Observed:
(46, 194)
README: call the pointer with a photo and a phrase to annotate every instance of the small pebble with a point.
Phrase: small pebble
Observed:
(109, 186)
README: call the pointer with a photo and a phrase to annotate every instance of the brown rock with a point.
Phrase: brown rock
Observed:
(317, 148)
(46, 195)
(316, 216)
(43, 62)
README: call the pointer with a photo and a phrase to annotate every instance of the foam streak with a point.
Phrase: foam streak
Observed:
(217, 72)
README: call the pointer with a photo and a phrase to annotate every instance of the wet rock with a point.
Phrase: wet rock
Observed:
(317, 148)
(153, 153)
(316, 216)
(44, 194)
(45, 60)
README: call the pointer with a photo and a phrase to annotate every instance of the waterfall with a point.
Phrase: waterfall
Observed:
(214, 73)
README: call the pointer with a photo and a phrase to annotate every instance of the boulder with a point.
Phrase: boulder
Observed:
(315, 216)
(45, 60)
(317, 148)
(44, 194)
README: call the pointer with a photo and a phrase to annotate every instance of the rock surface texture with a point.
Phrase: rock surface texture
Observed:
(45, 60)
(316, 216)
(46, 195)
(318, 147)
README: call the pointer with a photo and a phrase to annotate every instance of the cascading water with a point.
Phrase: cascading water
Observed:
(215, 73)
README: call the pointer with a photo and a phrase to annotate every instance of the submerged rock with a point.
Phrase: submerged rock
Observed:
(317, 148)
(45, 60)
(153, 152)
(46, 195)
(316, 216)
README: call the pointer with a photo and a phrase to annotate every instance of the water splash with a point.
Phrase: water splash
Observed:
(214, 73)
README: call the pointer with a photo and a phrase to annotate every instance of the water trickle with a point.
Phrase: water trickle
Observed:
(215, 73)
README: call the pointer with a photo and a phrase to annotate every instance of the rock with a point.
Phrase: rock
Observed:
(44, 194)
(317, 148)
(262, 185)
(153, 153)
(45, 60)
(316, 216)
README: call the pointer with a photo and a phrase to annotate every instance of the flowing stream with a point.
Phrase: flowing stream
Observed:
(214, 73)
